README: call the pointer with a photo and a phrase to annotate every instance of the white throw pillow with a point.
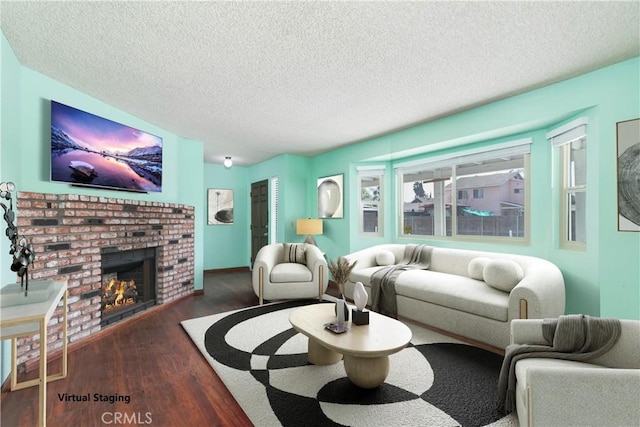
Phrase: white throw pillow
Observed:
(385, 257)
(502, 274)
(475, 270)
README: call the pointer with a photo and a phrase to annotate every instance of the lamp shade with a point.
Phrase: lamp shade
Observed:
(309, 226)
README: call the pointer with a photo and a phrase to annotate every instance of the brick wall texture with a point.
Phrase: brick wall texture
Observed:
(70, 233)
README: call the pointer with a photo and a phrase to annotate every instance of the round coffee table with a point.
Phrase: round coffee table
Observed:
(364, 348)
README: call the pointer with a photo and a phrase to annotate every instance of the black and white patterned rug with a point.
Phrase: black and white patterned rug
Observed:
(435, 381)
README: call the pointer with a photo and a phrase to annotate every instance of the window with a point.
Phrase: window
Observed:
(371, 183)
(570, 145)
(490, 174)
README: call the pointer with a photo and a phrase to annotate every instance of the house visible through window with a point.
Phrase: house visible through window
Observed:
(370, 181)
(570, 143)
(495, 176)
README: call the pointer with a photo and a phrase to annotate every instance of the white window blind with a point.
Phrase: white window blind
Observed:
(273, 223)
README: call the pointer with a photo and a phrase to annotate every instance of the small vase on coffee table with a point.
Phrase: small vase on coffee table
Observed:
(359, 315)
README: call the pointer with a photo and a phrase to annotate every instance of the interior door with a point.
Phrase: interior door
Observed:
(259, 217)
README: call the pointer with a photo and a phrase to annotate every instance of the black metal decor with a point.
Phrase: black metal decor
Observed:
(21, 249)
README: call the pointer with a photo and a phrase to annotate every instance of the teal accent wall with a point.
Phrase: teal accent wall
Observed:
(10, 70)
(225, 246)
(603, 280)
(24, 153)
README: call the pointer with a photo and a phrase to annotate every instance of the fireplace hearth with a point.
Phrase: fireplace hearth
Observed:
(128, 283)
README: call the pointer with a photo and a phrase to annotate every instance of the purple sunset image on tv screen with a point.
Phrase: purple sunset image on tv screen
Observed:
(93, 151)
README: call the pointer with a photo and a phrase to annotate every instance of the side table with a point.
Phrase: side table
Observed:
(30, 319)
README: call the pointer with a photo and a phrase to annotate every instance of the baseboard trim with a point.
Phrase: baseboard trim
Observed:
(229, 270)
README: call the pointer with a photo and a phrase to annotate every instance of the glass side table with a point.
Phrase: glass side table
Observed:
(31, 318)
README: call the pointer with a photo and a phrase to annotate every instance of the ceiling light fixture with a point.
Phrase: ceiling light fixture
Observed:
(227, 162)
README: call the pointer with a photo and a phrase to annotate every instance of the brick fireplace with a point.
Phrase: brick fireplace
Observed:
(71, 235)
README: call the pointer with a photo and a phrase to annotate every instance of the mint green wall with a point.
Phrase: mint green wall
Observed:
(604, 280)
(225, 246)
(24, 152)
(32, 172)
(293, 190)
(229, 246)
(10, 70)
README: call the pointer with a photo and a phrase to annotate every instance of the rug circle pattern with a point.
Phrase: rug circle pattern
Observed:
(435, 380)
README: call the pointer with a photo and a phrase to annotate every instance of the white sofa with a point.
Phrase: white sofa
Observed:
(446, 297)
(289, 271)
(601, 392)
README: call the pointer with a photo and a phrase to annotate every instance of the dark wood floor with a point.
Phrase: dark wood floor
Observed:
(150, 359)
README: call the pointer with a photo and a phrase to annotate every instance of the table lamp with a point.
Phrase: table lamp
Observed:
(309, 226)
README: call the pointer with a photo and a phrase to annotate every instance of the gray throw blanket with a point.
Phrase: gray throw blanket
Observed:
(383, 281)
(572, 337)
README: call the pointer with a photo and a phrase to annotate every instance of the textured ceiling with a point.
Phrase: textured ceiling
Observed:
(256, 79)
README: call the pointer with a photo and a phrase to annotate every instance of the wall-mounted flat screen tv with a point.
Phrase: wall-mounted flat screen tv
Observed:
(93, 151)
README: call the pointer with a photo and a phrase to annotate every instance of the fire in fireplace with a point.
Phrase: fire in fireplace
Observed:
(128, 283)
(118, 294)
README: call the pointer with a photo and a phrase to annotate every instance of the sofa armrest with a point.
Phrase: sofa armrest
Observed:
(543, 290)
(268, 257)
(316, 260)
(527, 331)
(582, 396)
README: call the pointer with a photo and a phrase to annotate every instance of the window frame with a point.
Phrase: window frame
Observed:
(377, 171)
(561, 139)
(488, 152)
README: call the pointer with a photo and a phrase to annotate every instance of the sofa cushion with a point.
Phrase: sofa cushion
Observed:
(290, 272)
(502, 274)
(476, 267)
(295, 252)
(456, 292)
(385, 257)
(364, 275)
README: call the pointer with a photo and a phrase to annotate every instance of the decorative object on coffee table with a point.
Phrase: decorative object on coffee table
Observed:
(359, 316)
(340, 271)
(342, 313)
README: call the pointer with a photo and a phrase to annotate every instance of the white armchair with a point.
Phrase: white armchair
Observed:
(600, 392)
(274, 277)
